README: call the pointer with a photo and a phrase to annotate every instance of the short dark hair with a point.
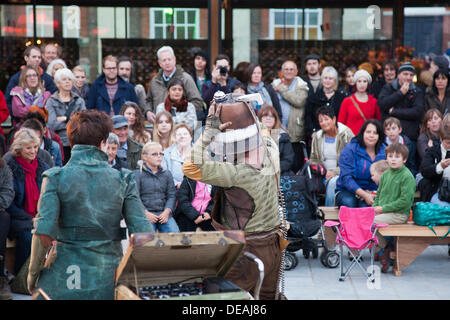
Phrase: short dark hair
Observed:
(238, 85)
(35, 125)
(360, 136)
(397, 148)
(27, 51)
(222, 56)
(390, 63)
(35, 116)
(89, 127)
(325, 111)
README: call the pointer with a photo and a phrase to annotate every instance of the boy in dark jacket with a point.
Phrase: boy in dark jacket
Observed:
(156, 189)
(195, 203)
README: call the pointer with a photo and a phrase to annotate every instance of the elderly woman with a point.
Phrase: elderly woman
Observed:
(61, 105)
(354, 186)
(84, 223)
(30, 92)
(256, 85)
(54, 66)
(360, 106)
(325, 95)
(327, 146)
(6, 197)
(27, 168)
(175, 155)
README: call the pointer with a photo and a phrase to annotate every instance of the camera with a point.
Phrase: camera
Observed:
(223, 71)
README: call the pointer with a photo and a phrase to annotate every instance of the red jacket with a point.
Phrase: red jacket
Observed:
(351, 117)
(4, 112)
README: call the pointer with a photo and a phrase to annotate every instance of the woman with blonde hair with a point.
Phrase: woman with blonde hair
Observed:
(27, 168)
(175, 155)
(137, 131)
(269, 117)
(163, 129)
(325, 95)
(30, 92)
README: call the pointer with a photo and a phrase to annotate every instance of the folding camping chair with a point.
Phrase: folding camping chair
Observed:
(356, 231)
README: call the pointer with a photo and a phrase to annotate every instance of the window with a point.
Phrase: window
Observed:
(44, 21)
(287, 24)
(177, 23)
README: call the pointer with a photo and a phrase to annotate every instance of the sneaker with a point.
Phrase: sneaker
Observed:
(5, 290)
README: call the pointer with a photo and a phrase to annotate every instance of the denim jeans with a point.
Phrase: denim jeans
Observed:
(435, 200)
(331, 192)
(348, 199)
(170, 226)
(23, 249)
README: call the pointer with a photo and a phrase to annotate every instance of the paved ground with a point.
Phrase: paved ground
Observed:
(427, 278)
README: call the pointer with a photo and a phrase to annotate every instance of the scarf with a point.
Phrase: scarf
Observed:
(264, 94)
(33, 100)
(181, 105)
(31, 188)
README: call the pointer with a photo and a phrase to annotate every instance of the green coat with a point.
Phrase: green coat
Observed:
(81, 206)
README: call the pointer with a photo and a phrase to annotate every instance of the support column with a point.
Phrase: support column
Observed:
(214, 26)
(398, 25)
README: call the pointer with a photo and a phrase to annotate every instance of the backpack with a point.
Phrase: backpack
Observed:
(430, 215)
(318, 173)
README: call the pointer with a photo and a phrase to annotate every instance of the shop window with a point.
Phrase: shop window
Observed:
(286, 24)
(174, 23)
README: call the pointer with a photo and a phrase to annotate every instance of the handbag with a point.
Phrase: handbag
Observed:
(357, 107)
(431, 215)
(444, 190)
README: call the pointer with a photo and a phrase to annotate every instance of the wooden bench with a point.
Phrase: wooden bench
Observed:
(411, 240)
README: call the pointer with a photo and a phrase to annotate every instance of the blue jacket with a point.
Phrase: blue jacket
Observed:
(355, 163)
(98, 95)
(20, 220)
(49, 85)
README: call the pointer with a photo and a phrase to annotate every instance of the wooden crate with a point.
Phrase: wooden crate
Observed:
(166, 258)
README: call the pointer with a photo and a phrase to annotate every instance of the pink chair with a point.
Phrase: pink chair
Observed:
(357, 232)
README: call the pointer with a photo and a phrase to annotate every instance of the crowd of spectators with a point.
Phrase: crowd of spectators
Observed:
(346, 129)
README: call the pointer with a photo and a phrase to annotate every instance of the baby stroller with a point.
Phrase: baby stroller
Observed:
(302, 213)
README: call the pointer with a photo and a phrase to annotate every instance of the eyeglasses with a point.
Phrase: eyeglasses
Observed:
(155, 154)
(111, 68)
(31, 76)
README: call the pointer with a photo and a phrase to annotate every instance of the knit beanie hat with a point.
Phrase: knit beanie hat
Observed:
(362, 73)
(407, 66)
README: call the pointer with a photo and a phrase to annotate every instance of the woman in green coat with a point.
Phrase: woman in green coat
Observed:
(80, 209)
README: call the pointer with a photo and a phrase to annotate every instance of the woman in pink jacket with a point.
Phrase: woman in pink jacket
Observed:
(30, 92)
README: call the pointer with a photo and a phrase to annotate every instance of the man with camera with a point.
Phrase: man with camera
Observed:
(220, 79)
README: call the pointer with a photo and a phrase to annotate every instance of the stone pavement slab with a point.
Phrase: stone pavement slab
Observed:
(427, 278)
